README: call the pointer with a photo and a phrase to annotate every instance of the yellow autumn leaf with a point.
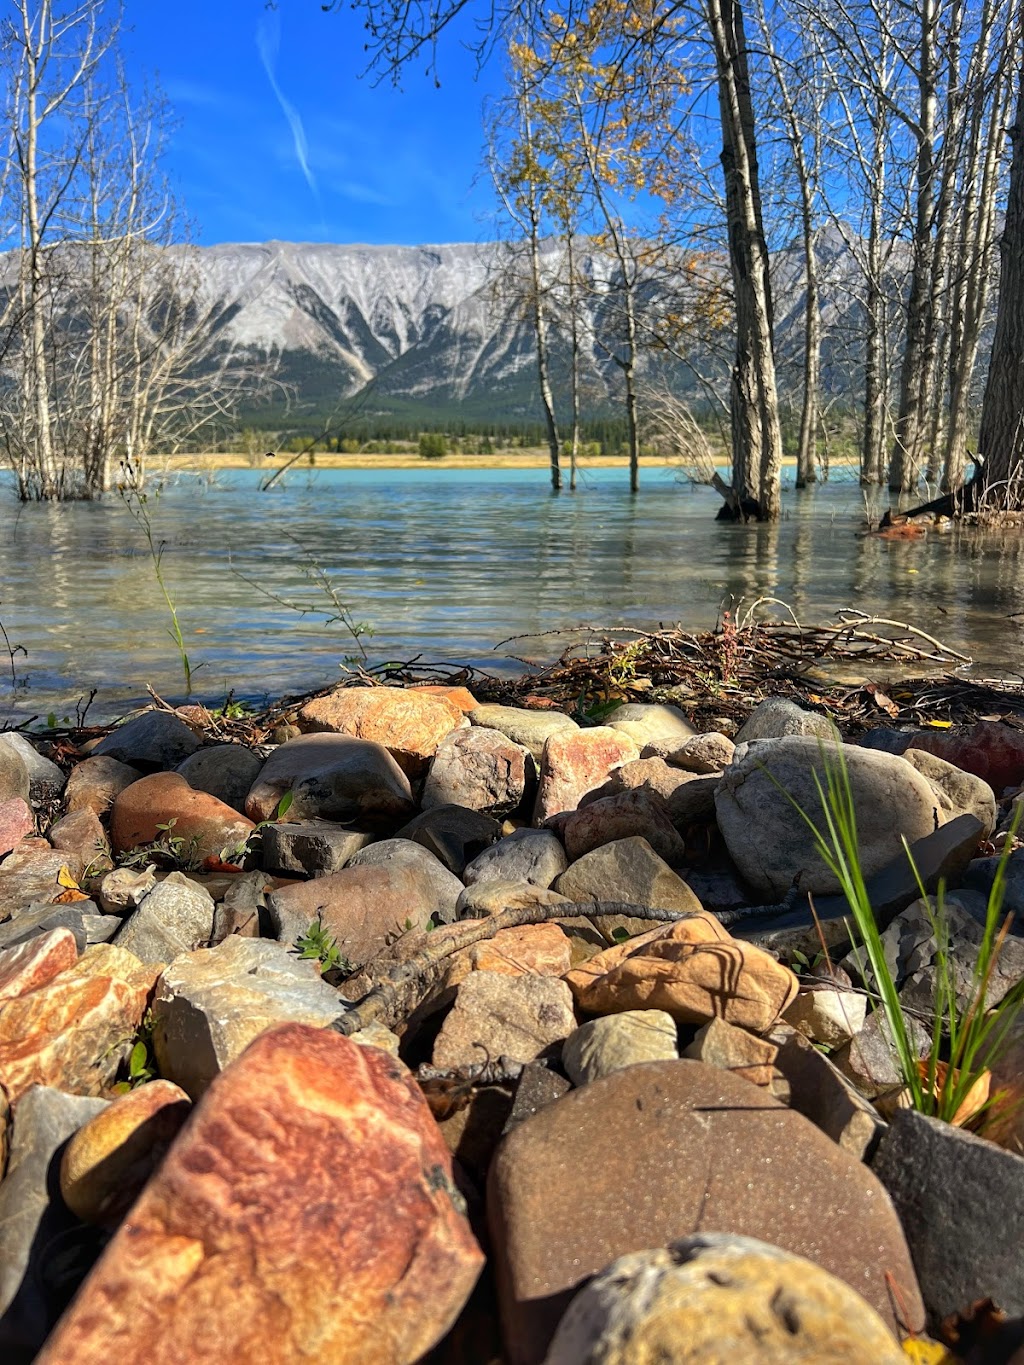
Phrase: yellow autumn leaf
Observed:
(64, 878)
(927, 1352)
(940, 724)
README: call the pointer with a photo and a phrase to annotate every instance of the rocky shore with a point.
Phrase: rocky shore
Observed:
(440, 1031)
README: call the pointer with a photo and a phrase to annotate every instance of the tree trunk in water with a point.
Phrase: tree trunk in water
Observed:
(756, 433)
(807, 450)
(1001, 442)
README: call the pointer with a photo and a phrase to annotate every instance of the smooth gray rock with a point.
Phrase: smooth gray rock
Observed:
(332, 777)
(124, 889)
(14, 779)
(627, 870)
(981, 875)
(959, 793)
(312, 847)
(82, 918)
(601, 1046)
(707, 753)
(961, 1202)
(175, 917)
(42, 1244)
(777, 718)
(651, 723)
(226, 771)
(211, 1004)
(529, 728)
(156, 740)
(528, 855)
(453, 834)
(769, 841)
(392, 853)
(479, 768)
(45, 780)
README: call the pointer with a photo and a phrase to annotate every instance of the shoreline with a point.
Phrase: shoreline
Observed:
(205, 461)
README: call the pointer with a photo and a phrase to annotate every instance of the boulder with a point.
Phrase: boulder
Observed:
(442, 886)
(40, 1242)
(529, 728)
(81, 835)
(694, 970)
(816, 1088)
(175, 917)
(990, 750)
(770, 842)
(73, 1034)
(710, 753)
(13, 774)
(528, 855)
(361, 908)
(309, 847)
(715, 1297)
(601, 1046)
(828, 1015)
(496, 1015)
(481, 769)
(658, 1151)
(96, 782)
(958, 793)
(688, 797)
(16, 821)
(124, 889)
(734, 1050)
(80, 919)
(106, 1164)
(216, 1260)
(869, 1060)
(492, 897)
(958, 1197)
(453, 834)
(30, 965)
(627, 870)
(638, 812)
(226, 771)
(409, 723)
(528, 950)
(980, 876)
(575, 762)
(30, 874)
(207, 826)
(211, 1004)
(777, 718)
(156, 740)
(46, 781)
(647, 723)
(458, 696)
(333, 777)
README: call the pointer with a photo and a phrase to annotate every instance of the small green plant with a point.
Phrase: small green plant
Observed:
(168, 849)
(141, 1063)
(136, 501)
(948, 1084)
(319, 945)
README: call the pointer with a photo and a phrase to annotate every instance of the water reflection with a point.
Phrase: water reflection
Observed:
(447, 563)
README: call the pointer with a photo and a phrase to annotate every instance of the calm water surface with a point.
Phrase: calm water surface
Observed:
(445, 564)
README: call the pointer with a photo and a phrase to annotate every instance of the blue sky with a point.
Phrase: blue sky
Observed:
(277, 137)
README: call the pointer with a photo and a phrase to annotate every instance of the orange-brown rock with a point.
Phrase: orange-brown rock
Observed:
(530, 950)
(458, 696)
(108, 1161)
(16, 821)
(305, 1214)
(72, 1034)
(207, 825)
(575, 762)
(409, 722)
(95, 782)
(81, 834)
(694, 970)
(108, 959)
(30, 965)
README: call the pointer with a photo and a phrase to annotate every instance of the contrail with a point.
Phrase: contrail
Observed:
(268, 37)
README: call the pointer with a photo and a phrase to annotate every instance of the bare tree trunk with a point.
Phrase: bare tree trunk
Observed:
(1001, 443)
(574, 357)
(756, 433)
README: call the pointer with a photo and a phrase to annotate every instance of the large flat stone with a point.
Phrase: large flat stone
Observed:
(154, 740)
(410, 723)
(313, 1167)
(332, 777)
(659, 1151)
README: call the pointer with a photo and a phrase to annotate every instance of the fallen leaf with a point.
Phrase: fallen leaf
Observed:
(940, 724)
(64, 878)
(69, 896)
(927, 1352)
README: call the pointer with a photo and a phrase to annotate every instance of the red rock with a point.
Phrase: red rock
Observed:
(989, 750)
(640, 811)
(197, 816)
(458, 696)
(407, 721)
(94, 783)
(81, 834)
(659, 1151)
(574, 763)
(15, 822)
(30, 965)
(306, 1213)
(530, 950)
(72, 1034)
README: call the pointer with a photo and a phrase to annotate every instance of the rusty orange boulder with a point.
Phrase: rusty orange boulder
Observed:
(306, 1212)
(410, 723)
(207, 825)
